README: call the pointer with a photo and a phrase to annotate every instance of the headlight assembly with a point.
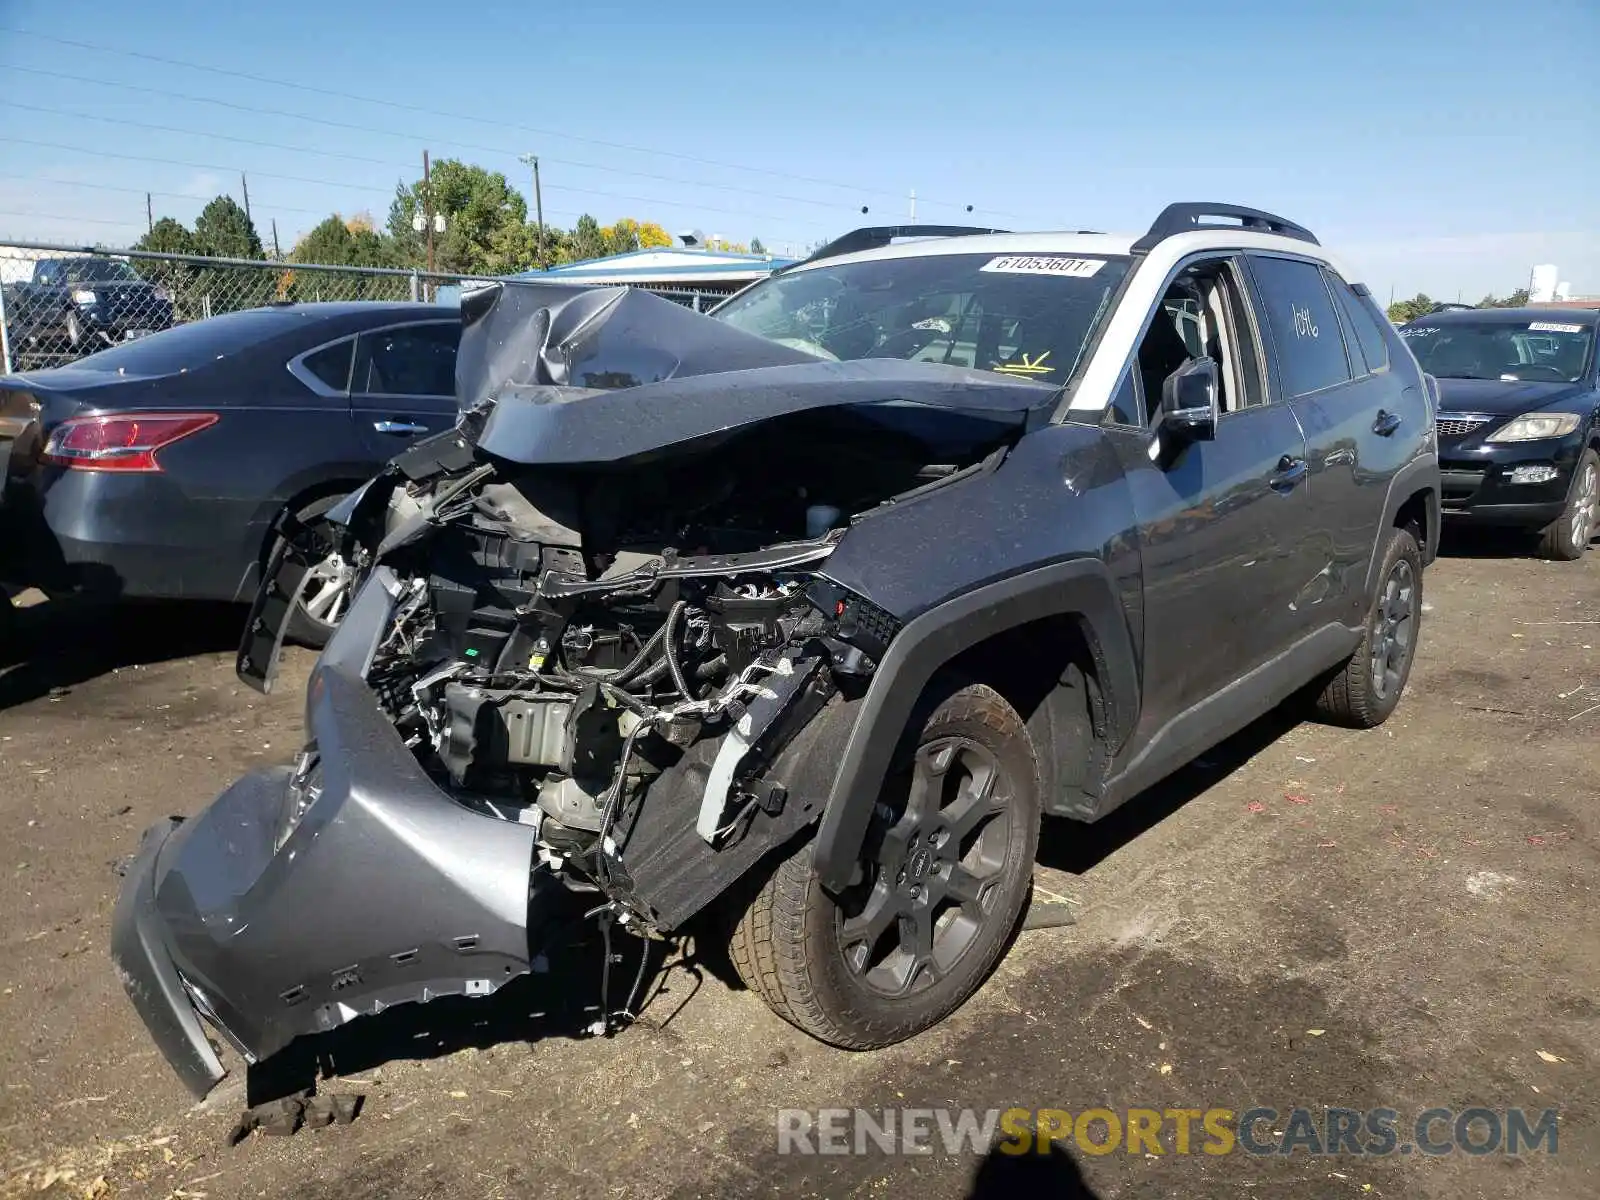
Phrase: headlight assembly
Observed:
(1535, 427)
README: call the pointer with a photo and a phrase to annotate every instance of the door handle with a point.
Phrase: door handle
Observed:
(399, 427)
(1290, 472)
(1386, 423)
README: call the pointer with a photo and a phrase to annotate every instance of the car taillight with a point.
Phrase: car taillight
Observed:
(120, 441)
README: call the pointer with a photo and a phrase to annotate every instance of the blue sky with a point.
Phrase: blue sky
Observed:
(1444, 146)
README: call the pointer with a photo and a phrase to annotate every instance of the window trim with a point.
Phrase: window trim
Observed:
(1130, 360)
(1361, 302)
(356, 357)
(296, 366)
(1276, 362)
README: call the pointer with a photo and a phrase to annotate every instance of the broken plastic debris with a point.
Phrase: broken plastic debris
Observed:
(1255, 806)
(1551, 1058)
(1166, 1068)
(1316, 1032)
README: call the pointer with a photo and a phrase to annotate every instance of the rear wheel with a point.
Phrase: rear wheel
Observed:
(329, 583)
(947, 866)
(1569, 535)
(1368, 687)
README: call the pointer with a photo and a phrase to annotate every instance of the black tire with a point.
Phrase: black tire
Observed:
(305, 628)
(1368, 687)
(1567, 538)
(791, 946)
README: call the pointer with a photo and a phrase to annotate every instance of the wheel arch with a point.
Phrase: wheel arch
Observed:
(1413, 499)
(1038, 637)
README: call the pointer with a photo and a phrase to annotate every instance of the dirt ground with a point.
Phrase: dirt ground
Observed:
(1403, 918)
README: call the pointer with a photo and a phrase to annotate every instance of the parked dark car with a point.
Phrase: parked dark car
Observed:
(1519, 419)
(76, 305)
(158, 468)
(799, 616)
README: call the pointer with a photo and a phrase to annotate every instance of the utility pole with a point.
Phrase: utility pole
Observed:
(538, 203)
(149, 215)
(276, 253)
(427, 206)
(913, 204)
(245, 184)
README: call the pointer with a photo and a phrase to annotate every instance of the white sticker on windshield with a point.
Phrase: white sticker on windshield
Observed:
(1552, 327)
(1044, 264)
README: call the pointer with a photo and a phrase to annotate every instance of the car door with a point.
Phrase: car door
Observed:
(1330, 364)
(403, 386)
(1218, 520)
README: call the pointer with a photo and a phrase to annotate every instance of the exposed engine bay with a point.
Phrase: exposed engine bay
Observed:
(574, 649)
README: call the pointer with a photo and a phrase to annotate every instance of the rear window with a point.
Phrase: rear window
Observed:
(189, 347)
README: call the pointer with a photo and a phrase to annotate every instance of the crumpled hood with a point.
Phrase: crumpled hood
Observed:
(1505, 397)
(603, 375)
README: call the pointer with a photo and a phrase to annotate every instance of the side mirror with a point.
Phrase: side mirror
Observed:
(1189, 401)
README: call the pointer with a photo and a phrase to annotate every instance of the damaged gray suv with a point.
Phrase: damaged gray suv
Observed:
(799, 616)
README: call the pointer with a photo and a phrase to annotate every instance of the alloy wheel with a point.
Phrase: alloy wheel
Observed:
(325, 592)
(1394, 630)
(1586, 506)
(935, 881)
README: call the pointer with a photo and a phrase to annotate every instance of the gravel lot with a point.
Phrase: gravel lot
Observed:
(1402, 918)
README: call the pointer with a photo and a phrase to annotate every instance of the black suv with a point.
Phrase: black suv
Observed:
(1519, 426)
(798, 617)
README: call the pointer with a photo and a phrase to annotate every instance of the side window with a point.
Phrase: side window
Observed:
(1362, 322)
(1125, 402)
(331, 364)
(1298, 311)
(416, 360)
(1203, 315)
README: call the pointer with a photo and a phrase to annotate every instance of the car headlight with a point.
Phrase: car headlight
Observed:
(1534, 427)
(83, 296)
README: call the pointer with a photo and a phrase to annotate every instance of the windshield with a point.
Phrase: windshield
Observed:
(1554, 351)
(1028, 316)
(84, 270)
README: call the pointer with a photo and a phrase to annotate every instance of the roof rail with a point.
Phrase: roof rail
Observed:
(1191, 217)
(875, 236)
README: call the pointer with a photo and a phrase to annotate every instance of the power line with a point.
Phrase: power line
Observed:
(113, 187)
(411, 136)
(231, 73)
(61, 112)
(195, 166)
(224, 137)
(71, 219)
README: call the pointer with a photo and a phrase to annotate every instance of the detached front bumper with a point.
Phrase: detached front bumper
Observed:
(297, 902)
(143, 963)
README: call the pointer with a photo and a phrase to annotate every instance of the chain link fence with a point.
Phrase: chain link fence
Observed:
(59, 303)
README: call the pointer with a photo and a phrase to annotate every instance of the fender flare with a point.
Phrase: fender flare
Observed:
(1081, 587)
(1417, 475)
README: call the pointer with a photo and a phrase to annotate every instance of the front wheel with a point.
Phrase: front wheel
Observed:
(1367, 688)
(329, 583)
(1566, 538)
(947, 861)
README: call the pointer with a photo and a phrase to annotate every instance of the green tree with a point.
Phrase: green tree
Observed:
(177, 279)
(223, 230)
(486, 230)
(1515, 300)
(588, 241)
(756, 247)
(1419, 305)
(337, 242)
